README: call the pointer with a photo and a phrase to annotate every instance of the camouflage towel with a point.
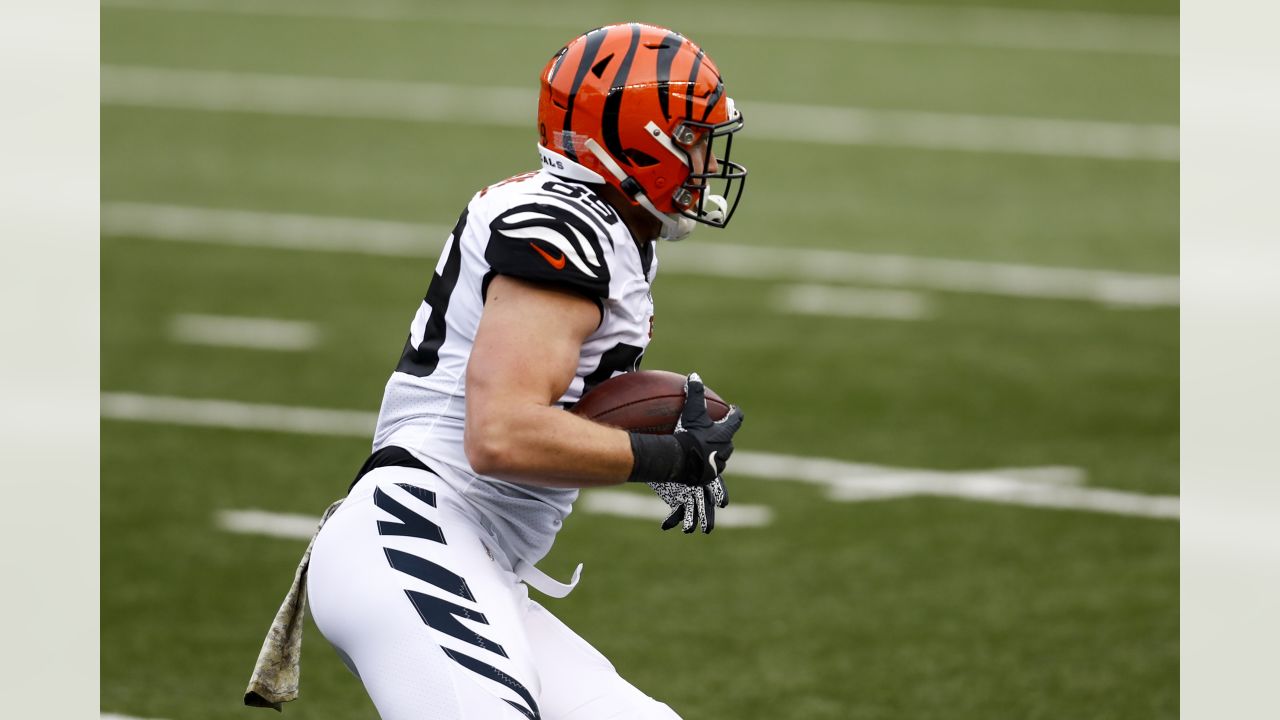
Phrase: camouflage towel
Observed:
(275, 676)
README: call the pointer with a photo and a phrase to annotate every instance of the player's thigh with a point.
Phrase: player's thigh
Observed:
(403, 587)
(578, 682)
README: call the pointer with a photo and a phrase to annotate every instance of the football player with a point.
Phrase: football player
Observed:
(542, 291)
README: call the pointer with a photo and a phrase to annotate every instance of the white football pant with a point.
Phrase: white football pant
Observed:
(425, 609)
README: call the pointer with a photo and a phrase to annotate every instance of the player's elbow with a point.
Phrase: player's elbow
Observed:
(490, 449)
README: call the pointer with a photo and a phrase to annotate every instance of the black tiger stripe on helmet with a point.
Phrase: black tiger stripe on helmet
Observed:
(666, 55)
(595, 39)
(613, 103)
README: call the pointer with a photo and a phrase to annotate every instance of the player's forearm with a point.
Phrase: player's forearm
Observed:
(544, 445)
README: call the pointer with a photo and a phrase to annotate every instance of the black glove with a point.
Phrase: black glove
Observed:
(706, 445)
(684, 468)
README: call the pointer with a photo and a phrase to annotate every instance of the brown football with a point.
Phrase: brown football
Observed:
(645, 401)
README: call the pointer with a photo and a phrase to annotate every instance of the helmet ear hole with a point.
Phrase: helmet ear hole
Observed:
(641, 158)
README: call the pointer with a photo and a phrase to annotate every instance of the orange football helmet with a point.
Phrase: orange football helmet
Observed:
(637, 106)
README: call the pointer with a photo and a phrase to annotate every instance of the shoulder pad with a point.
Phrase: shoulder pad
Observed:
(547, 242)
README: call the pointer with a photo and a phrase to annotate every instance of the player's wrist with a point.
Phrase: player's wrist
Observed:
(656, 458)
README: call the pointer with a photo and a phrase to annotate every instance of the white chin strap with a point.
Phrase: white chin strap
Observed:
(674, 225)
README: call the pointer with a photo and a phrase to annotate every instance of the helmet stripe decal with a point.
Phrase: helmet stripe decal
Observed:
(712, 100)
(555, 69)
(613, 103)
(594, 40)
(666, 55)
(693, 79)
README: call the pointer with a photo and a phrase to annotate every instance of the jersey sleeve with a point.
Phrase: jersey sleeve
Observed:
(548, 243)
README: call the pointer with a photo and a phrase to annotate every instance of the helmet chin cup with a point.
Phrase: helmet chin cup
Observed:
(676, 227)
(714, 210)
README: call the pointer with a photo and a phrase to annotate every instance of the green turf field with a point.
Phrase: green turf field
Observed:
(910, 607)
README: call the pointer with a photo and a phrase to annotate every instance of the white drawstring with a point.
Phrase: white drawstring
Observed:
(544, 583)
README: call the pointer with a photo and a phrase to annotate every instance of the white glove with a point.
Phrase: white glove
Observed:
(692, 504)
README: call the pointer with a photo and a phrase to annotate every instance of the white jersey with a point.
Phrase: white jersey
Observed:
(536, 227)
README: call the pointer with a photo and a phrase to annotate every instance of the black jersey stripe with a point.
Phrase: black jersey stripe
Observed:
(583, 210)
(421, 360)
(646, 258)
(560, 219)
(613, 103)
(510, 254)
(666, 55)
(595, 39)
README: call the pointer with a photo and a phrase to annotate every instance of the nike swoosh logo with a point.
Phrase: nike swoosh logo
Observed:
(711, 459)
(557, 263)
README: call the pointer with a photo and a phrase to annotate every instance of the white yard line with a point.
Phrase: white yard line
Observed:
(622, 503)
(1035, 487)
(853, 302)
(994, 27)
(1052, 487)
(955, 131)
(616, 503)
(285, 231)
(399, 239)
(155, 87)
(273, 230)
(115, 716)
(754, 262)
(244, 332)
(236, 415)
(272, 524)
